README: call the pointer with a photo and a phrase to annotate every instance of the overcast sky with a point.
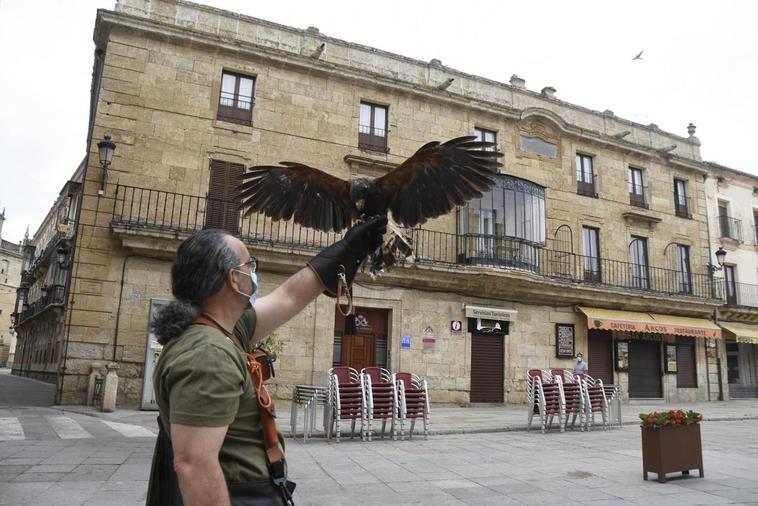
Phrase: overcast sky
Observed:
(700, 65)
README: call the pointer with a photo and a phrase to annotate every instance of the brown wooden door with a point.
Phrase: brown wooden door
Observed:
(645, 369)
(599, 355)
(487, 367)
(368, 346)
(222, 206)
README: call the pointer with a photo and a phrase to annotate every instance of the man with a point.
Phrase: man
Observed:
(205, 396)
(581, 365)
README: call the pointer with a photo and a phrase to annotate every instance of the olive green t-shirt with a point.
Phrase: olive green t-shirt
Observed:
(201, 379)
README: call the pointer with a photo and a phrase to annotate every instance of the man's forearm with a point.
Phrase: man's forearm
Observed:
(286, 301)
(202, 484)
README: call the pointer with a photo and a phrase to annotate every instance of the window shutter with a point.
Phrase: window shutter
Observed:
(222, 207)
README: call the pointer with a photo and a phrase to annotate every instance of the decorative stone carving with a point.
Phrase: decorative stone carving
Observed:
(548, 92)
(518, 82)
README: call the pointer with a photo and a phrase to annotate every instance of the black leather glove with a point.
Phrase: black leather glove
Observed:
(346, 255)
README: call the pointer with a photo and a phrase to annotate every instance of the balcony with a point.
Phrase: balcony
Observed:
(587, 189)
(682, 206)
(730, 228)
(741, 294)
(154, 212)
(54, 296)
(638, 196)
(372, 139)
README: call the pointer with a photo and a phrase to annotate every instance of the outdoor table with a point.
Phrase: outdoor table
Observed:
(309, 397)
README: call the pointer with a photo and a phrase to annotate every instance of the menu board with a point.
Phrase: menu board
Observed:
(564, 340)
(671, 358)
(622, 356)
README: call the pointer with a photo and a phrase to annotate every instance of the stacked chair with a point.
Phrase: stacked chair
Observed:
(381, 399)
(346, 401)
(372, 395)
(594, 400)
(545, 398)
(414, 402)
(573, 397)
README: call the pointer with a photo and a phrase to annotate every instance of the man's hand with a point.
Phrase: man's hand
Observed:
(367, 236)
(196, 463)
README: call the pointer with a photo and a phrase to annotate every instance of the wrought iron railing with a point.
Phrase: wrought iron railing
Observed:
(174, 212)
(54, 295)
(638, 195)
(371, 138)
(587, 188)
(741, 294)
(682, 206)
(730, 227)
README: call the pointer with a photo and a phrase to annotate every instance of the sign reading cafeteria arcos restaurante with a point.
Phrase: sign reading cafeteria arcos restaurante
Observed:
(657, 328)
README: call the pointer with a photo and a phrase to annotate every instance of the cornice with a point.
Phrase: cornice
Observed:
(108, 19)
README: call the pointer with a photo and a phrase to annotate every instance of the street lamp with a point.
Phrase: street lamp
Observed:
(720, 256)
(62, 257)
(105, 149)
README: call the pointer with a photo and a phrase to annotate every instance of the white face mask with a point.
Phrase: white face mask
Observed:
(579, 359)
(253, 296)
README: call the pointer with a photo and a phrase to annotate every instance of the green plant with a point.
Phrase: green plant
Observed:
(271, 344)
(673, 418)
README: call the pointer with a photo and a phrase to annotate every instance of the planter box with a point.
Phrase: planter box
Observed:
(670, 450)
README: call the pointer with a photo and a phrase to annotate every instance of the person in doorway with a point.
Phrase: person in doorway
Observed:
(581, 365)
(212, 447)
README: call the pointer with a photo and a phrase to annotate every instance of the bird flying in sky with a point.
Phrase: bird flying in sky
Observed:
(639, 56)
(435, 179)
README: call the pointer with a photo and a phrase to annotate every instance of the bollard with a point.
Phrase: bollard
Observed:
(110, 389)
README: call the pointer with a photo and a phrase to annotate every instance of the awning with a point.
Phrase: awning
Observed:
(628, 321)
(744, 332)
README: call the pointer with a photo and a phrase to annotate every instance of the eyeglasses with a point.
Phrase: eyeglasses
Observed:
(252, 263)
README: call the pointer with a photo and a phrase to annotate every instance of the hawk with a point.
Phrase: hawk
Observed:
(435, 179)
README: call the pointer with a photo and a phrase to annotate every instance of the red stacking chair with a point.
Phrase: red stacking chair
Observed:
(381, 399)
(572, 396)
(413, 400)
(347, 400)
(594, 400)
(545, 398)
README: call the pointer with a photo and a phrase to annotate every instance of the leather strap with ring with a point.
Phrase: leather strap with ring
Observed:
(258, 374)
(342, 286)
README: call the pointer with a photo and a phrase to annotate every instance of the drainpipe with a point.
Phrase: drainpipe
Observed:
(97, 77)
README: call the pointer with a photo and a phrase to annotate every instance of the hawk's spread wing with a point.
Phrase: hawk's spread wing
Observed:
(311, 197)
(437, 178)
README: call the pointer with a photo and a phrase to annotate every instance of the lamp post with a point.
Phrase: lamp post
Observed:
(62, 257)
(720, 256)
(105, 149)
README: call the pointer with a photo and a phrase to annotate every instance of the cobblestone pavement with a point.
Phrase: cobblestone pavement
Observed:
(598, 467)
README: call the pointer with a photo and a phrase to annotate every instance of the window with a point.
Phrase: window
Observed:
(585, 176)
(222, 206)
(681, 204)
(591, 241)
(686, 374)
(638, 253)
(506, 226)
(683, 278)
(636, 188)
(730, 285)
(235, 103)
(755, 228)
(728, 226)
(483, 135)
(372, 127)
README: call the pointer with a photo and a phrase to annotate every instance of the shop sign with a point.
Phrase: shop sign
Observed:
(671, 358)
(564, 340)
(428, 337)
(710, 348)
(621, 356)
(656, 328)
(490, 313)
(405, 341)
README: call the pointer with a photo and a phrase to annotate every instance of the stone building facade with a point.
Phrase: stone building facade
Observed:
(41, 298)
(10, 278)
(732, 199)
(579, 247)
